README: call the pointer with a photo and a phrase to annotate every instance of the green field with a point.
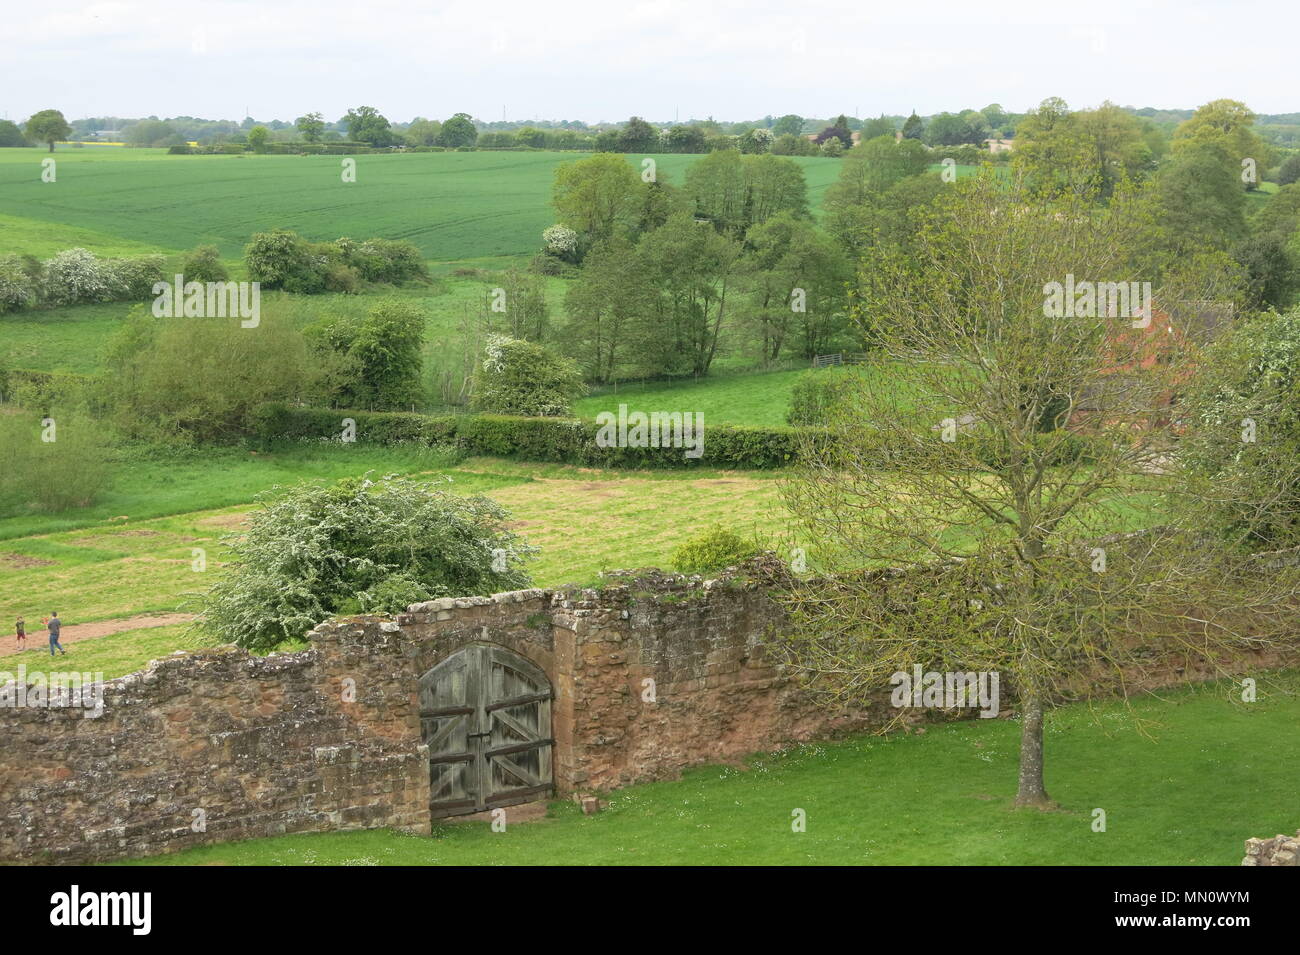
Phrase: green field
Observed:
(456, 207)
(1175, 797)
(132, 552)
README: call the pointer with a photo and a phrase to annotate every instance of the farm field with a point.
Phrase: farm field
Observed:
(480, 207)
(941, 798)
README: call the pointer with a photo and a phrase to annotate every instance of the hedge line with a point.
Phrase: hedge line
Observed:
(566, 441)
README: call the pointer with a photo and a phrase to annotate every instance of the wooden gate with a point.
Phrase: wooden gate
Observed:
(485, 714)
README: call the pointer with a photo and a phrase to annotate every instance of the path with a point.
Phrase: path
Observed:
(38, 638)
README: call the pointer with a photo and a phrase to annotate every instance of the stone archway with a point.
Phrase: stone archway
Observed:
(485, 714)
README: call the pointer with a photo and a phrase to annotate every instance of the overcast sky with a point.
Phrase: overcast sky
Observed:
(608, 59)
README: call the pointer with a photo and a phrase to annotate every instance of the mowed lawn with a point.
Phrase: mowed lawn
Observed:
(1206, 778)
(454, 206)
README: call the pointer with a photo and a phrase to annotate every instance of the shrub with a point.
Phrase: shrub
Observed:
(311, 553)
(385, 260)
(817, 394)
(285, 260)
(381, 354)
(17, 289)
(561, 440)
(74, 276)
(203, 264)
(199, 380)
(713, 550)
(132, 280)
(52, 462)
(523, 378)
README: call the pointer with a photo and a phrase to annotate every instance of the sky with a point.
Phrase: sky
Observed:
(606, 60)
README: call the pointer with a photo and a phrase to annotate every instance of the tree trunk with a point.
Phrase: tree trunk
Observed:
(1032, 792)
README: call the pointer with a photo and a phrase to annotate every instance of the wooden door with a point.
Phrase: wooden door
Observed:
(485, 714)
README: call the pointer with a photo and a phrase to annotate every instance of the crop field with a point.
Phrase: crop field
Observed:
(473, 206)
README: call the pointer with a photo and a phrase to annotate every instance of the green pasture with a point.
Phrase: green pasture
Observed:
(1172, 794)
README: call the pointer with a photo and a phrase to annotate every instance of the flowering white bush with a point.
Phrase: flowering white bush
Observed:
(560, 240)
(75, 275)
(16, 287)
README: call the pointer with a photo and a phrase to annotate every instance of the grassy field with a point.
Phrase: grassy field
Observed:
(1175, 797)
(454, 206)
(758, 400)
(133, 553)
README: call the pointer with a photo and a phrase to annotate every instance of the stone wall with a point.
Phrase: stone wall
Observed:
(198, 749)
(651, 674)
(1280, 850)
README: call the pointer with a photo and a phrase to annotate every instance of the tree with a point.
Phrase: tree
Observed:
(797, 279)
(879, 185)
(1257, 386)
(151, 132)
(367, 125)
(686, 139)
(1287, 173)
(1201, 198)
(523, 312)
(756, 141)
(47, 126)
(835, 132)
(1272, 276)
(873, 166)
(913, 127)
(257, 137)
(608, 305)
(638, 136)
(524, 378)
(458, 131)
(201, 380)
(788, 125)
(691, 267)
(1053, 154)
(358, 546)
(312, 127)
(598, 197)
(735, 192)
(1015, 440)
(1227, 125)
(11, 135)
(873, 128)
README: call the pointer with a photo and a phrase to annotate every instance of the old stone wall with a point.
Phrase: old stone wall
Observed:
(197, 749)
(1280, 850)
(651, 673)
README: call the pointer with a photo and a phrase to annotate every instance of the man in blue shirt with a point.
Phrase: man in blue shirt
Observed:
(55, 624)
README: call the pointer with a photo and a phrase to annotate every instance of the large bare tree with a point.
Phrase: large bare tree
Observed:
(1010, 455)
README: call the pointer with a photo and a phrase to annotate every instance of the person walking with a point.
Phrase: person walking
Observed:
(55, 624)
(21, 628)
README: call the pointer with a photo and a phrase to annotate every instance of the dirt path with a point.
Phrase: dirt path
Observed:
(38, 638)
